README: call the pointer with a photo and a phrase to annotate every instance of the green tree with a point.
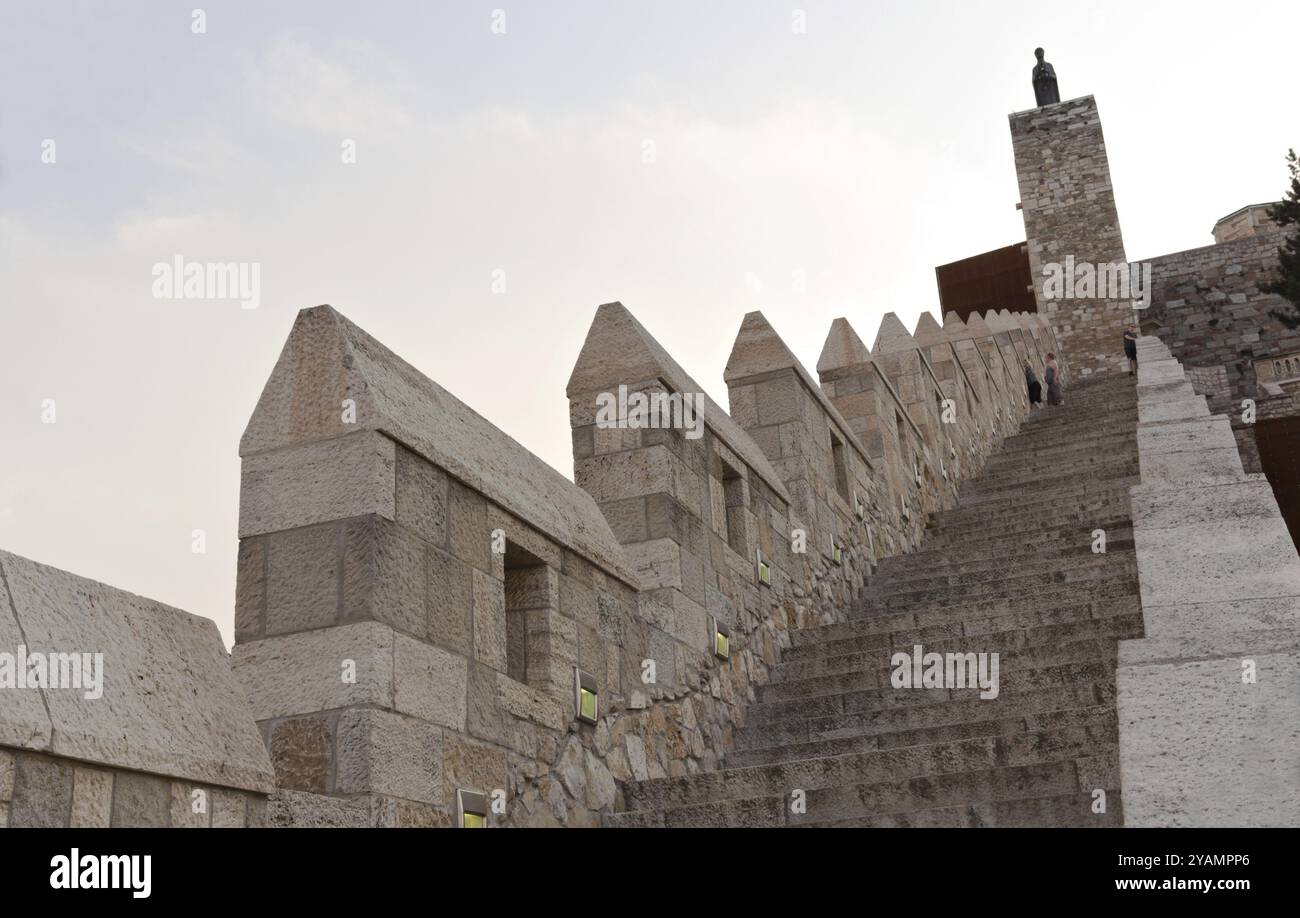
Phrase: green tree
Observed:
(1287, 286)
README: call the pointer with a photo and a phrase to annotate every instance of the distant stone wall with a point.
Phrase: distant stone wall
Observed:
(1209, 698)
(1208, 308)
(47, 791)
(116, 710)
(1068, 203)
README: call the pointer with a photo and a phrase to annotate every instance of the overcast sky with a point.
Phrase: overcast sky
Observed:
(810, 175)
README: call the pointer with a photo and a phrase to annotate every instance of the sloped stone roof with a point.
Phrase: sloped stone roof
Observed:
(619, 349)
(328, 359)
(170, 705)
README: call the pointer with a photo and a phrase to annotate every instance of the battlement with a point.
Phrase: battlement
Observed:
(420, 598)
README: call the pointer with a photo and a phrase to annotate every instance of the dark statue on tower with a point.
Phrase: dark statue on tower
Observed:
(1045, 91)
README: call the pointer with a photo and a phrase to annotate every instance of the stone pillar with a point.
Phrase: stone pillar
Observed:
(1068, 204)
(965, 445)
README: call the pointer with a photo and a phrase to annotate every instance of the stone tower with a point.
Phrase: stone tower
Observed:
(1070, 218)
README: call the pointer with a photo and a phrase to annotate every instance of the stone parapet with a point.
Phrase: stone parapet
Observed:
(1209, 699)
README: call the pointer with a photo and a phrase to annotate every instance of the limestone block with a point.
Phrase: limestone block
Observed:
(1224, 561)
(1198, 747)
(421, 497)
(429, 682)
(527, 703)
(302, 751)
(141, 801)
(473, 766)
(229, 809)
(184, 803)
(250, 589)
(489, 620)
(296, 809)
(302, 590)
(380, 752)
(92, 798)
(386, 575)
(42, 794)
(305, 673)
(450, 601)
(318, 482)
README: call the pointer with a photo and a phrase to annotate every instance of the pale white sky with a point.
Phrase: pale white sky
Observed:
(858, 156)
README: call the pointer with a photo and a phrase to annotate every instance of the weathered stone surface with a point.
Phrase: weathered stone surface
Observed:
(229, 809)
(450, 602)
(328, 359)
(421, 503)
(191, 806)
(386, 575)
(92, 798)
(379, 752)
(302, 590)
(295, 809)
(489, 621)
(430, 683)
(317, 483)
(42, 794)
(302, 752)
(141, 801)
(170, 705)
(472, 766)
(305, 673)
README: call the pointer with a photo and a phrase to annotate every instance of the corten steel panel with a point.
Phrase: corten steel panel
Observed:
(994, 280)
(1279, 455)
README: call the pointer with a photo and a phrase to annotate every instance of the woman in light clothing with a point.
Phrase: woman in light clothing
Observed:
(1052, 375)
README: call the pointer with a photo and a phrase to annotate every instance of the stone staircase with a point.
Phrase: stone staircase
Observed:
(1010, 570)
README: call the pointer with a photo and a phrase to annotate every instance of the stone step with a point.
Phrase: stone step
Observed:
(955, 562)
(1098, 717)
(1080, 558)
(844, 637)
(873, 699)
(1021, 663)
(1056, 701)
(1001, 622)
(937, 760)
(1065, 811)
(833, 658)
(1014, 584)
(998, 547)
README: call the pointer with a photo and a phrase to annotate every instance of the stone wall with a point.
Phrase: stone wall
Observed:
(1208, 308)
(417, 592)
(161, 737)
(1209, 698)
(38, 790)
(1068, 203)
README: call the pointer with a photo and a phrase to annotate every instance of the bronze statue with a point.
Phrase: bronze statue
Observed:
(1045, 90)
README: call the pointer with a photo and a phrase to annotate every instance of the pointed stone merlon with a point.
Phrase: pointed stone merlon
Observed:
(969, 435)
(1209, 698)
(813, 448)
(863, 394)
(384, 522)
(693, 472)
(903, 360)
(1068, 204)
(150, 715)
